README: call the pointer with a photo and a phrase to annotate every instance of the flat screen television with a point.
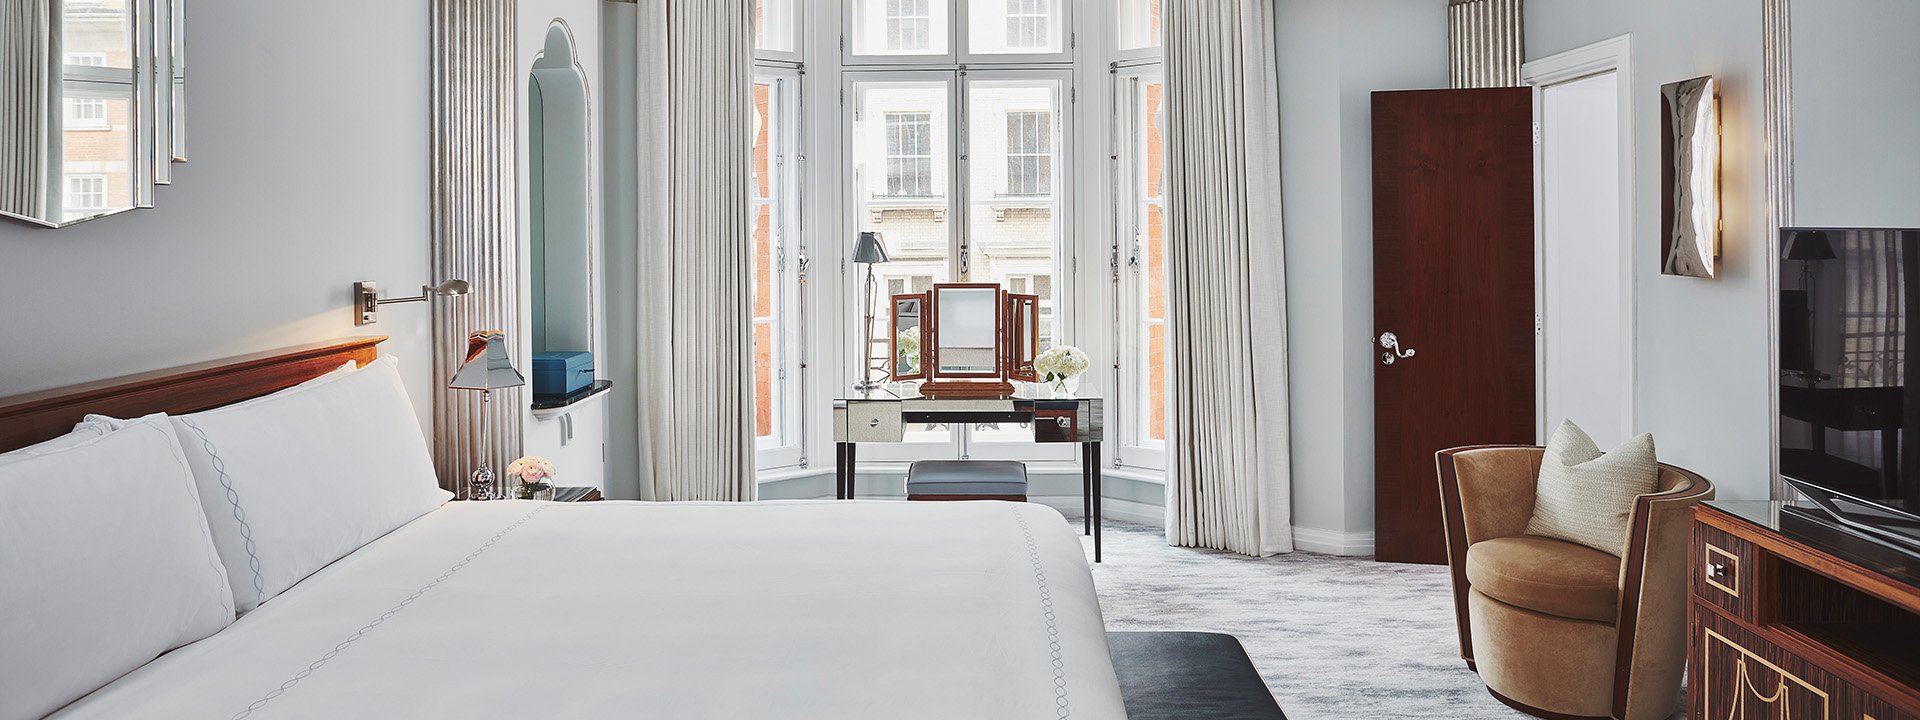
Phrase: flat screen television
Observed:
(1849, 380)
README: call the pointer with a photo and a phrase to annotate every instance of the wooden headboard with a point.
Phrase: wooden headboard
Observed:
(34, 417)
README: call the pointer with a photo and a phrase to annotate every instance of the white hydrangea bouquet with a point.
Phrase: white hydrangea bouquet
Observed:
(534, 472)
(1061, 366)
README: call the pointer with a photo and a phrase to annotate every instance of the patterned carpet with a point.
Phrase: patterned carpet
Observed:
(1334, 637)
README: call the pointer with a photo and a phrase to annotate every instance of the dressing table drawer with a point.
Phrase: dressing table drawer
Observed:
(868, 422)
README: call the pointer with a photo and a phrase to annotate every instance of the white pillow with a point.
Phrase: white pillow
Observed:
(105, 563)
(295, 480)
(86, 430)
(1585, 496)
(114, 423)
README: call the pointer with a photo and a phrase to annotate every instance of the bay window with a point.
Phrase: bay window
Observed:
(950, 128)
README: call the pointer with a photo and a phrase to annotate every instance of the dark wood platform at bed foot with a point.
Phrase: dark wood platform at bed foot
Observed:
(1189, 676)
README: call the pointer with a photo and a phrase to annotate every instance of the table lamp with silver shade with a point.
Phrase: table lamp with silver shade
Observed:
(487, 368)
(869, 249)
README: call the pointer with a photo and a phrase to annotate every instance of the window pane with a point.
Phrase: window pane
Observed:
(899, 27)
(770, 324)
(1139, 24)
(97, 33)
(97, 146)
(1014, 26)
(901, 158)
(1152, 280)
(775, 26)
(1014, 230)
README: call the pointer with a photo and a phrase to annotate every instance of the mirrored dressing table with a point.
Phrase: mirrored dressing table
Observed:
(884, 420)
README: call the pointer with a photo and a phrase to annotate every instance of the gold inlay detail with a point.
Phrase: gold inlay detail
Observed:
(1743, 685)
(1733, 570)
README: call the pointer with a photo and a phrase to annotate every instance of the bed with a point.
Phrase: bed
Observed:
(510, 609)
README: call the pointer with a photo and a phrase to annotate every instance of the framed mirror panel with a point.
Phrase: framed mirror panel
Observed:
(91, 106)
(966, 331)
(1023, 336)
(907, 353)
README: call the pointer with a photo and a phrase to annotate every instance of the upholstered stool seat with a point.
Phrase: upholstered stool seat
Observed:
(967, 480)
(1555, 577)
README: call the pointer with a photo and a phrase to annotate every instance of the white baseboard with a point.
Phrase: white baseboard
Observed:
(1332, 542)
(1138, 513)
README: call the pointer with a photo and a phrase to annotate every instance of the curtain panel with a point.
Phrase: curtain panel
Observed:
(695, 296)
(1229, 476)
(27, 45)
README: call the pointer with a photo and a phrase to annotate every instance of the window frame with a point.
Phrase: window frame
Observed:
(788, 448)
(890, 123)
(1136, 449)
(1064, 264)
(1046, 154)
(101, 178)
(959, 41)
(74, 121)
(799, 36)
(1128, 56)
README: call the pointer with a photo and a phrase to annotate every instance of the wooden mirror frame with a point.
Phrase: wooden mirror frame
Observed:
(893, 335)
(1022, 331)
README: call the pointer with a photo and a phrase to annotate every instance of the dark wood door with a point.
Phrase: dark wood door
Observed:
(1453, 286)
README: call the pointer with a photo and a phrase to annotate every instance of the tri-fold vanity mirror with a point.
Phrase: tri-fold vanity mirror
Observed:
(965, 339)
(92, 106)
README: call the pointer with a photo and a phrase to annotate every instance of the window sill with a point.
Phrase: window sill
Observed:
(1145, 475)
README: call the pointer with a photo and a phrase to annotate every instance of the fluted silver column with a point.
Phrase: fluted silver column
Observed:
(1484, 45)
(474, 225)
(1777, 106)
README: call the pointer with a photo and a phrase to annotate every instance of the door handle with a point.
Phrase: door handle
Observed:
(1392, 344)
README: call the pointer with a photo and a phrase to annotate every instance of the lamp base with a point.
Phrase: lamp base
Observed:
(481, 485)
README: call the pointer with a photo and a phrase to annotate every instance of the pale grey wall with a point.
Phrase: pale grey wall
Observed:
(1702, 345)
(308, 132)
(621, 233)
(1856, 112)
(1332, 55)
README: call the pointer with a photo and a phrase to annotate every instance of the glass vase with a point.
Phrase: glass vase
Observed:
(1065, 387)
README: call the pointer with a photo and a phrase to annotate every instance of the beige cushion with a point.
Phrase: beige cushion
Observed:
(1586, 497)
(1548, 576)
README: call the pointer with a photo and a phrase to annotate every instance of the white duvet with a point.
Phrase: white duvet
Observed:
(825, 609)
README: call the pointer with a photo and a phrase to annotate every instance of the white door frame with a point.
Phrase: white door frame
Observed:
(1611, 55)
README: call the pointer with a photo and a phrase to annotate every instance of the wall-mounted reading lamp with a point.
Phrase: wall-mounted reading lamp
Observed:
(367, 298)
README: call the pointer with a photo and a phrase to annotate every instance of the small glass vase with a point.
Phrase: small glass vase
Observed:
(534, 491)
(1064, 387)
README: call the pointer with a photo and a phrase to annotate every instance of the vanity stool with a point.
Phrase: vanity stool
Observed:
(967, 480)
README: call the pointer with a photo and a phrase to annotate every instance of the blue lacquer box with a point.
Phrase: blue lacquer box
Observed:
(558, 374)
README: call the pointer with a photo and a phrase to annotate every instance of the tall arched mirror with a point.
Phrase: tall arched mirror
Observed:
(560, 218)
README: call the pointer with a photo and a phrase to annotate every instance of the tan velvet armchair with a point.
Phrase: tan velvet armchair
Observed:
(1556, 629)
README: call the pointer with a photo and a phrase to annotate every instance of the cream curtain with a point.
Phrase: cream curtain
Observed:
(696, 330)
(1228, 477)
(27, 46)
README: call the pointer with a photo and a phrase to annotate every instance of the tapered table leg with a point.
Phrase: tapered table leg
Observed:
(839, 471)
(1086, 490)
(1091, 480)
(853, 473)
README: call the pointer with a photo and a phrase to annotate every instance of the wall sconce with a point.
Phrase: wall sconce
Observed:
(366, 297)
(1690, 178)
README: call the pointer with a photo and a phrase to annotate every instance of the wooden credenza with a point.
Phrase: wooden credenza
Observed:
(1793, 620)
